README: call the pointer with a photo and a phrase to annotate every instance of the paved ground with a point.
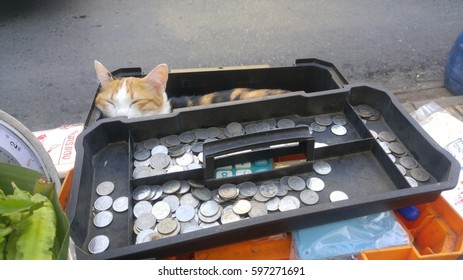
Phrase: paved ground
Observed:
(47, 47)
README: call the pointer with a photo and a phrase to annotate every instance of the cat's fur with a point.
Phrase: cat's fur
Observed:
(138, 97)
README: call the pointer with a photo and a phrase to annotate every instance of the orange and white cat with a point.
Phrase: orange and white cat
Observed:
(140, 97)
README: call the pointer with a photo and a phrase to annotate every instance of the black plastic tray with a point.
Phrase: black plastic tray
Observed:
(361, 168)
(308, 75)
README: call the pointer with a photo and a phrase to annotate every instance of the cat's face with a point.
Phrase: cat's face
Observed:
(132, 97)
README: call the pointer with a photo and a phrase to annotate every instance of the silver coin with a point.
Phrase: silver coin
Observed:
(285, 123)
(374, 134)
(160, 160)
(397, 148)
(161, 210)
(289, 203)
(419, 174)
(284, 182)
(364, 110)
(103, 219)
(309, 197)
(142, 207)
(323, 120)
(338, 196)
(259, 197)
(268, 189)
(142, 236)
(402, 169)
(392, 158)
(185, 213)
(185, 159)
(317, 128)
(175, 168)
(193, 166)
(121, 204)
(144, 163)
(187, 137)
(167, 226)
(282, 190)
(103, 203)
(171, 186)
(141, 193)
(340, 120)
(172, 140)
(156, 192)
(105, 188)
(228, 191)
(209, 208)
(258, 209)
(296, 183)
(213, 132)
(184, 187)
(142, 154)
(197, 147)
(273, 204)
(241, 207)
(250, 128)
(262, 127)
(173, 201)
(186, 228)
(189, 199)
(247, 189)
(229, 217)
(412, 182)
(209, 225)
(98, 244)
(216, 197)
(385, 147)
(338, 130)
(157, 171)
(160, 149)
(145, 221)
(177, 151)
(322, 167)
(203, 194)
(150, 143)
(386, 136)
(234, 129)
(211, 219)
(376, 115)
(201, 134)
(408, 162)
(315, 184)
(141, 172)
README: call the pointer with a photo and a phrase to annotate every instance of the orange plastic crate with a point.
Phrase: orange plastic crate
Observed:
(437, 235)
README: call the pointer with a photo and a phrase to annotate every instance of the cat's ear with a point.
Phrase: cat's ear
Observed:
(158, 77)
(104, 76)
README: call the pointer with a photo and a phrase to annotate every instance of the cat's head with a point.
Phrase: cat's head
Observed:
(132, 96)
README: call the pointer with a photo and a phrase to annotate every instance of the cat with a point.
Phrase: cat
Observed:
(134, 97)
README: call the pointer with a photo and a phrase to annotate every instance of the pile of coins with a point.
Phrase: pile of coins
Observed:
(397, 152)
(176, 153)
(181, 206)
(103, 208)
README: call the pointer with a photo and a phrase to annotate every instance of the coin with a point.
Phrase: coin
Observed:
(262, 127)
(161, 210)
(185, 213)
(141, 172)
(172, 140)
(184, 187)
(98, 244)
(289, 203)
(185, 159)
(323, 120)
(103, 219)
(234, 129)
(145, 221)
(209, 208)
(141, 193)
(208, 225)
(376, 115)
(177, 151)
(408, 162)
(187, 137)
(201, 134)
(103, 203)
(419, 174)
(309, 197)
(213, 132)
(338, 130)
(284, 182)
(150, 143)
(167, 226)
(142, 207)
(197, 147)
(228, 191)
(338, 195)
(259, 197)
(374, 134)
(203, 194)
(144, 163)
(196, 184)
(386, 136)
(171, 186)
(402, 169)
(340, 120)
(282, 190)
(273, 204)
(397, 148)
(257, 209)
(211, 219)
(296, 183)
(315, 184)
(317, 128)
(268, 189)
(247, 189)
(364, 110)
(160, 160)
(241, 207)
(229, 217)
(392, 158)
(142, 154)
(175, 168)
(322, 167)
(173, 202)
(105, 188)
(412, 182)
(156, 192)
(160, 149)
(385, 147)
(285, 123)
(141, 236)
(121, 204)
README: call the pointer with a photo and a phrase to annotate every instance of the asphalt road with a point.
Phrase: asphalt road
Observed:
(47, 48)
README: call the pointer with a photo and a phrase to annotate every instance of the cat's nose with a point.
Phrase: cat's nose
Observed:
(122, 113)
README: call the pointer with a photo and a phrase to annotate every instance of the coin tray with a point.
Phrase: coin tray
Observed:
(360, 168)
